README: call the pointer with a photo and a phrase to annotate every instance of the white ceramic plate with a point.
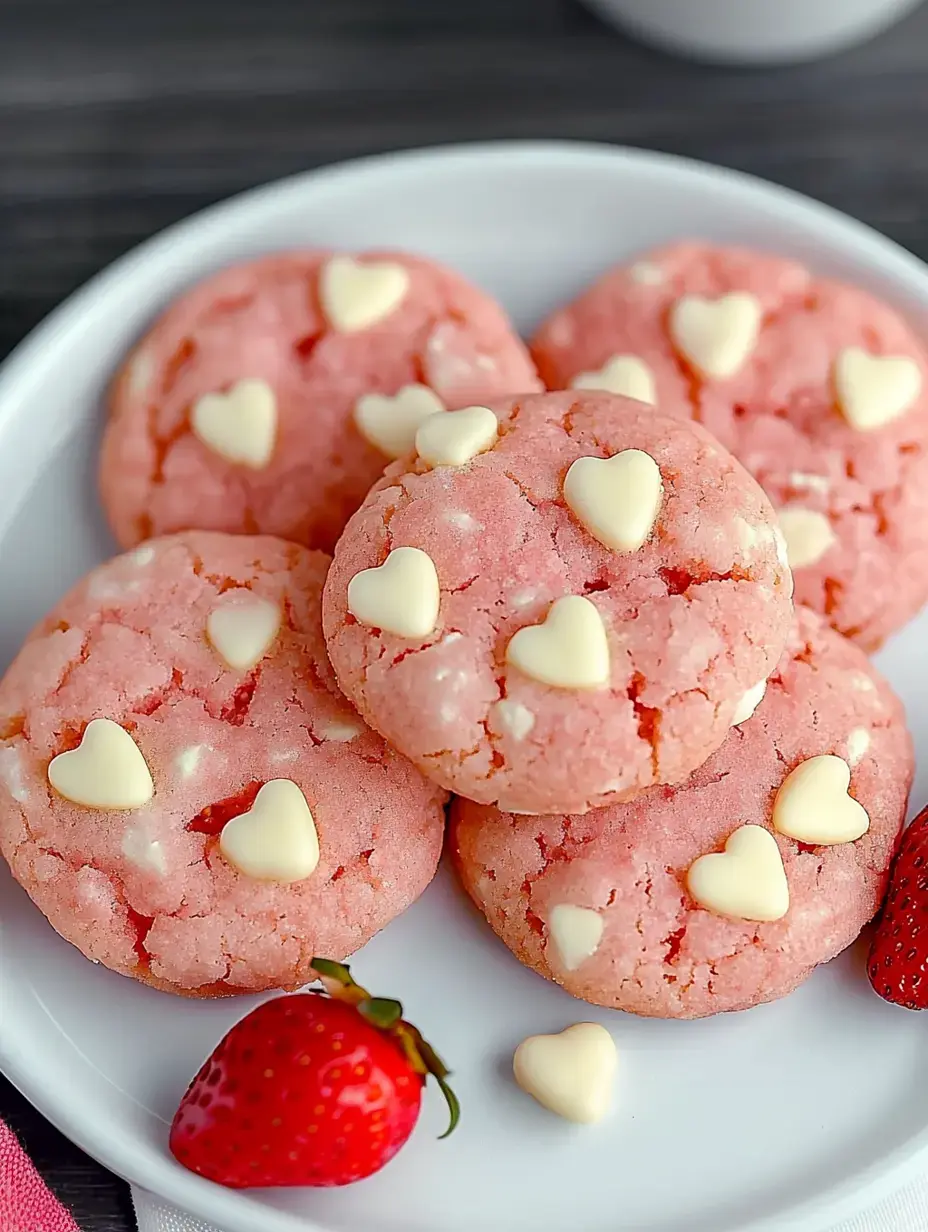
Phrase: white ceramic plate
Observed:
(787, 1117)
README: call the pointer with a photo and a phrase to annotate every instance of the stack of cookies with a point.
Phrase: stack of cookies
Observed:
(674, 791)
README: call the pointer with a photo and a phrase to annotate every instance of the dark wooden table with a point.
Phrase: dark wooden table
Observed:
(118, 117)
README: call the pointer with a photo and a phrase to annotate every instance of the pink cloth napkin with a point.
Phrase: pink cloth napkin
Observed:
(26, 1203)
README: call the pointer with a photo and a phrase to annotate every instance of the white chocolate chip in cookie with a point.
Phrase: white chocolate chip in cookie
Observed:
(340, 730)
(808, 535)
(241, 425)
(622, 374)
(243, 628)
(749, 703)
(568, 650)
(11, 773)
(858, 745)
(457, 437)
(746, 881)
(141, 371)
(716, 336)
(571, 1074)
(390, 423)
(188, 760)
(617, 499)
(576, 933)
(106, 771)
(401, 596)
(873, 390)
(276, 840)
(646, 274)
(143, 851)
(813, 804)
(357, 295)
(514, 718)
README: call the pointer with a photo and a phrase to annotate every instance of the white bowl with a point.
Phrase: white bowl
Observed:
(785, 1117)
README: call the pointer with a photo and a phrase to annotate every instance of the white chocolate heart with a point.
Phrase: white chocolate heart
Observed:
(106, 771)
(716, 336)
(390, 424)
(576, 933)
(276, 839)
(617, 499)
(749, 703)
(356, 295)
(808, 535)
(813, 804)
(243, 628)
(622, 374)
(873, 390)
(569, 650)
(456, 437)
(570, 1074)
(241, 425)
(400, 596)
(746, 881)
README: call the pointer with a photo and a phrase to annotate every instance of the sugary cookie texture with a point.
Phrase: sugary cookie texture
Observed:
(728, 890)
(561, 601)
(269, 397)
(817, 387)
(185, 793)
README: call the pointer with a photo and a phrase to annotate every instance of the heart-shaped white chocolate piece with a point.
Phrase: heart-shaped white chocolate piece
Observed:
(808, 535)
(241, 425)
(456, 437)
(716, 336)
(813, 804)
(617, 499)
(106, 771)
(570, 1074)
(243, 628)
(569, 650)
(390, 424)
(746, 881)
(356, 295)
(749, 703)
(276, 839)
(576, 933)
(622, 374)
(400, 596)
(873, 390)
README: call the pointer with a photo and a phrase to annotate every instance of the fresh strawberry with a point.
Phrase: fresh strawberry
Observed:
(898, 966)
(308, 1089)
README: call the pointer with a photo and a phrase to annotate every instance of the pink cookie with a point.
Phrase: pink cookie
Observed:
(263, 399)
(600, 903)
(818, 388)
(341, 833)
(566, 632)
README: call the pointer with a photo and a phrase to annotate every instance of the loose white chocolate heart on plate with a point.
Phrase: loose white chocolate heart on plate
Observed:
(746, 881)
(813, 804)
(400, 596)
(716, 335)
(749, 703)
(241, 425)
(570, 1074)
(622, 374)
(617, 499)
(568, 650)
(276, 839)
(808, 535)
(391, 423)
(576, 933)
(356, 295)
(873, 390)
(243, 628)
(106, 771)
(456, 437)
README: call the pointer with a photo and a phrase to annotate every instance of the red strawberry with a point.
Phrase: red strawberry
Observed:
(308, 1089)
(898, 966)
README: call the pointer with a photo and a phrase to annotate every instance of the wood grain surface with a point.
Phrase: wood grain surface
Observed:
(118, 117)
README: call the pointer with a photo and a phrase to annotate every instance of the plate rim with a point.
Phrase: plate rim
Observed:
(131, 1159)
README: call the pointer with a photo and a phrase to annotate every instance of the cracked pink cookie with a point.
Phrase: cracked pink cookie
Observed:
(566, 599)
(269, 397)
(816, 387)
(184, 792)
(726, 891)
